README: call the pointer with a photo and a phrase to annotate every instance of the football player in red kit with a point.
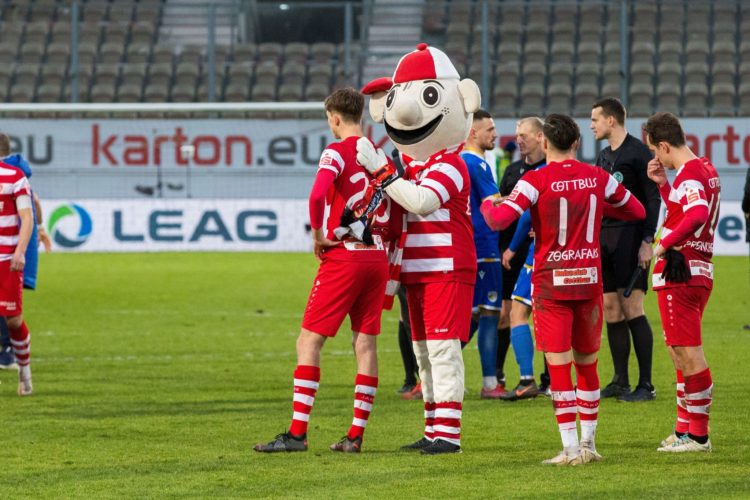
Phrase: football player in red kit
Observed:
(351, 279)
(567, 199)
(683, 273)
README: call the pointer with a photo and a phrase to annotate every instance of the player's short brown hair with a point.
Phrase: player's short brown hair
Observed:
(537, 124)
(612, 106)
(4, 145)
(347, 102)
(664, 127)
(481, 114)
(561, 131)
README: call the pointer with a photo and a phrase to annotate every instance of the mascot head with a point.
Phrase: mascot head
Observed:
(425, 107)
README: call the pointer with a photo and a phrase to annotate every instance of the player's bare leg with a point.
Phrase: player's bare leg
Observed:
(691, 366)
(365, 386)
(20, 339)
(306, 381)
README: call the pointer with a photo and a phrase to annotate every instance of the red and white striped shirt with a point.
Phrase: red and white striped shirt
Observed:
(692, 215)
(13, 184)
(440, 246)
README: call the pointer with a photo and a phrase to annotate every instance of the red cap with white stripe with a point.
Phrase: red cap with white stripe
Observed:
(425, 63)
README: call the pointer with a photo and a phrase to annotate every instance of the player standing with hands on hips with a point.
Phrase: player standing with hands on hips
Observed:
(683, 273)
(567, 200)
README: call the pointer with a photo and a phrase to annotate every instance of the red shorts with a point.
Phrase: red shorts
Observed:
(681, 310)
(11, 290)
(346, 287)
(560, 325)
(440, 311)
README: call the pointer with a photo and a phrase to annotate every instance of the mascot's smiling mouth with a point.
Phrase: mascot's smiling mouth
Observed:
(407, 137)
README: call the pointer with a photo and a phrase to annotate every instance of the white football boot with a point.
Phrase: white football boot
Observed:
(24, 381)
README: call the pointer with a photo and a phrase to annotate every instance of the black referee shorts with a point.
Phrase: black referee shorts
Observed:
(620, 245)
(510, 276)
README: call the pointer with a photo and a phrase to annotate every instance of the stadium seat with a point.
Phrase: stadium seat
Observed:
(129, 93)
(162, 54)
(723, 50)
(290, 92)
(26, 73)
(296, 52)
(31, 52)
(559, 98)
(668, 97)
(187, 71)
(116, 33)
(121, 12)
(58, 53)
(509, 51)
(585, 96)
(142, 32)
(535, 53)
(89, 34)
(92, 12)
(138, 53)
(133, 74)
(642, 51)
(322, 52)
(270, 51)
(160, 73)
(560, 72)
(48, 93)
(611, 88)
(266, 73)
(183, 93)
(320, 74)
(562, 52)
(103, 93)
(723, 72)
(695, 100)
(722, 99)
(263, 92)
(53, 74)
(531, 104)
(111, 52)
(316, 92)
(21, 93)
(156, 92)
(36, 32)
(670, 51)
(107, 73)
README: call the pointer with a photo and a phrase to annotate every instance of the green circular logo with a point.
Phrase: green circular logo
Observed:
(618, 176)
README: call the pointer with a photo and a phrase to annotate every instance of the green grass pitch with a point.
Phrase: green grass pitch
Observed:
(154, 374)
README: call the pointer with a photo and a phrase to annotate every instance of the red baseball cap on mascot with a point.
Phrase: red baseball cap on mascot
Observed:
(425, 63)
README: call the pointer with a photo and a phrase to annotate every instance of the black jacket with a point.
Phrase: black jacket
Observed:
(629, 165)
(511, 176)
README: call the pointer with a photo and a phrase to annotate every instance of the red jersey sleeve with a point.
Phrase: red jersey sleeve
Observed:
(444, 178)
(520, 199)
(694, 202)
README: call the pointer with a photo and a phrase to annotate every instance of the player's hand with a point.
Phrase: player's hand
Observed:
(507, 257)
(321, 243)
(369, 156)
(659, 251)
(17, 262)
(645, 254)
(532, 234)
(656, 172)
(45, 240)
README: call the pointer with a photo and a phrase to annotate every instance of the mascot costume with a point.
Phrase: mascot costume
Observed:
(427, 112)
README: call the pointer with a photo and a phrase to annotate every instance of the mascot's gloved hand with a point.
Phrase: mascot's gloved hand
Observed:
(375, 162)
(675, 269)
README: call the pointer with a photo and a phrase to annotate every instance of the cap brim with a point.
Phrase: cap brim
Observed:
(383, 84)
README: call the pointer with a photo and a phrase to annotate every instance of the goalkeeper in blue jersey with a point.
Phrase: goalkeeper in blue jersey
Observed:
(39, 235)
(488, 289)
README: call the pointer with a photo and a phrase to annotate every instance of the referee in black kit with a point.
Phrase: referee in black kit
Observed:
(626, 252)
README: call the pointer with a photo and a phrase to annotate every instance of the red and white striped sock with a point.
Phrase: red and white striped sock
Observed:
(564, 402)
(448, 422)
(429, 421)
(306, 381)
(587, 399)
(698, 398)
(20, 339)
(682, 425)
(364, 395)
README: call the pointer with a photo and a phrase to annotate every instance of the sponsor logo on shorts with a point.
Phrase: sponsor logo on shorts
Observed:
(10, 306)
(575, 276)
(441, 330)
(701, 268)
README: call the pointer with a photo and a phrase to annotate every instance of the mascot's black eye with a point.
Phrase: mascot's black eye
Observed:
(389, 99)
(430, 96)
